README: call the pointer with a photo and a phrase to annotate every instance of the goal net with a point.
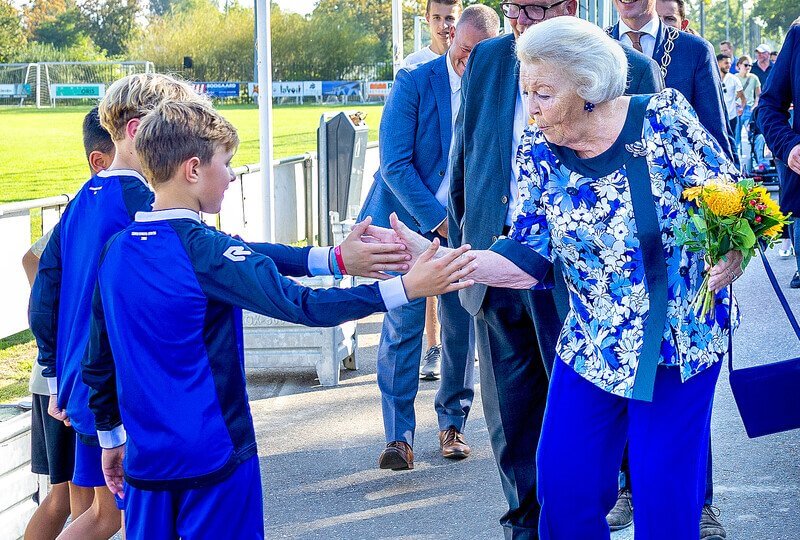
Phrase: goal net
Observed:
(46, 84)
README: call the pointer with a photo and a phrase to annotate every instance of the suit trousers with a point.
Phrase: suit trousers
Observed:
(399, 354)
(516, 333)
(583, 436)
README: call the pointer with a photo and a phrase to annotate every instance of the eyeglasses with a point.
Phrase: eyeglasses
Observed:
(534, 13)
(747, 65)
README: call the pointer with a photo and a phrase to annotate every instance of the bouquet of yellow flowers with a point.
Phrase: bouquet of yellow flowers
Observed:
(728, 216)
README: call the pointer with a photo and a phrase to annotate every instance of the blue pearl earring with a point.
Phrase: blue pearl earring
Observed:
(589, 106)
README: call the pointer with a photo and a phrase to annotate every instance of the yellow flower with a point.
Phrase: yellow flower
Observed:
(723, 198)
(692, 193)
(774, 231)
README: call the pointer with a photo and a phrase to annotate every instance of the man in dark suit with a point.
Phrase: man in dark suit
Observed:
(688, 65)
(781, 91)
(516, 331)
(415, 136)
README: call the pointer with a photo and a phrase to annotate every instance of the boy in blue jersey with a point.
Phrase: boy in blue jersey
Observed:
(60, 304)
(166, 354)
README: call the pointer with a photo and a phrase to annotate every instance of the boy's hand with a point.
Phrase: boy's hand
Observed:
(432, 276)
(415, 243)
(112, 469)
(369, 251)
(57, 413)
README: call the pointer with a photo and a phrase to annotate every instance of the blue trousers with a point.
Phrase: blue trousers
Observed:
(232, 508)
(583, 436)
(399, 354)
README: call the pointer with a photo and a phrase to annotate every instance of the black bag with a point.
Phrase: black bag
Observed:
(768, 396)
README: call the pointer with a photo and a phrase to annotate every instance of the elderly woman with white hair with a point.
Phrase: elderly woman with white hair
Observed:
(601, 178)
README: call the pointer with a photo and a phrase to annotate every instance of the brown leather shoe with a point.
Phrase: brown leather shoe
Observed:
(397, 456)
(453, 445)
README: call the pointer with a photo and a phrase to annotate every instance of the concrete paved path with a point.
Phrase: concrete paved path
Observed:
(319, 449)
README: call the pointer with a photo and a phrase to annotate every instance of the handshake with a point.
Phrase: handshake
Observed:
(429, 270)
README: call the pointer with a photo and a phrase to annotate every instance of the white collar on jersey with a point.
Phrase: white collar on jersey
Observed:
(122, 172)
(172, 213)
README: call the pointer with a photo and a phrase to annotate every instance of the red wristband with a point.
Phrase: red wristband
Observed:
(337, 252)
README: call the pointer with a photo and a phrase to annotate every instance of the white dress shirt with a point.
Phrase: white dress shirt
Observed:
(520, 121)
(647, 40)
(443, 192)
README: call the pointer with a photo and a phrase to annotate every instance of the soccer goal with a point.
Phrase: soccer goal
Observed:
(46, 83)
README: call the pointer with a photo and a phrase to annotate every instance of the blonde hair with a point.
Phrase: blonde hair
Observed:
(178, 130)
(135, 95)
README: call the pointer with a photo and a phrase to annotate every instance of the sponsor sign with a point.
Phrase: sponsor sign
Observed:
(379, 88)
(15, 90)
(341, 88)
(287, 89)
(312, 89)
(77, 91)
(218, 89)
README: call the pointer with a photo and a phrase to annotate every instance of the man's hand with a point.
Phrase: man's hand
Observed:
(368, 255)
(441, 230)
(112, 469)
(416, 244)
(56, 412)
(432, 276)
(726, 271)
(794, 159)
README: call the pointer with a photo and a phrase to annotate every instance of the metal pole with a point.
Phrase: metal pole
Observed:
(703, 18)
(264, 60)
(38, 86)
(743, 45)
(397, 35)
(418, 32)
(728, 20)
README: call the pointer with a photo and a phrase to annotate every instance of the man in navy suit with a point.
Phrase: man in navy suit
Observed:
(413, 181)
(689, 65)
(516, 331)
(781, 91)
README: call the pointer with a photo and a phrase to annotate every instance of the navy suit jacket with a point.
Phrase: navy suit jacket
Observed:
(415, 135)
(482, 146)
(693, 71)
(781, 90)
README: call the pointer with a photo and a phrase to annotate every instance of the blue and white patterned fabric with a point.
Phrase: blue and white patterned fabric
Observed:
(586, 219)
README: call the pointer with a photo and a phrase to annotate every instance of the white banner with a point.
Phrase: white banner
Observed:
(379, 88)
(312, 89)
(287, 89)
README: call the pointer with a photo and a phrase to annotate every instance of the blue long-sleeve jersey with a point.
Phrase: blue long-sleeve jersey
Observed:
(166, 357)
(61, 298)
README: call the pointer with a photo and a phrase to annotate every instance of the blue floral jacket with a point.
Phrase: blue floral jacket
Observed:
(587, 221)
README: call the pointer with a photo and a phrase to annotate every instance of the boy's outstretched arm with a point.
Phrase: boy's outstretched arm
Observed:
(228, 272)
(368, 251)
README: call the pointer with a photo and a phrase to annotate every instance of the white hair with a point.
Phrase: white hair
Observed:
(593, 61)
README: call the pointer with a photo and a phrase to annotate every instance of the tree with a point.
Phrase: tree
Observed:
(65, 30)
(111, 23)
(12, 37)
(39, 12)
(778, 16)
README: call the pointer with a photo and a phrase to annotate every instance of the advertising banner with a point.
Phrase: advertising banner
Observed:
(379, 88)
(341, 88)
(15, 90)
(287, 89)
(218, 89)
(77, 91)
(312, 89)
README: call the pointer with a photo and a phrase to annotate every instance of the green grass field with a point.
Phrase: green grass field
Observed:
(41, 153)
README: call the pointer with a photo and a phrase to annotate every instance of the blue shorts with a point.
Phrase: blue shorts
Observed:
(89, 468)
(232, 508)
(88, 465)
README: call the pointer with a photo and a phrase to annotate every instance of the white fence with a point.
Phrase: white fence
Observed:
(295, 188)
